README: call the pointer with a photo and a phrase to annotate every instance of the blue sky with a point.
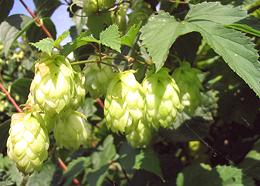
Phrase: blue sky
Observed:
(60, 17)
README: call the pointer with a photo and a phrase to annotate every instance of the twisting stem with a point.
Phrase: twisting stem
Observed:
(64, 168)
(10, 98)
(100, 103)
(37, 20)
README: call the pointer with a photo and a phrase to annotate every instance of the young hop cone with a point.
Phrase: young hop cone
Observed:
(71, 130)
(124, 103)
(53, 85)
(97, 79)
(190, 85)
(28, 142)
(141, 136)
(162, 99)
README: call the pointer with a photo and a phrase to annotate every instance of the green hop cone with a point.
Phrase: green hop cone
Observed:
(162, 99)
(28, 142)
(53, 85)
(71, 130)
(97, 79)
(141, 136)
(124, 103)
(80, 92)
(90, 6)
(190, 85)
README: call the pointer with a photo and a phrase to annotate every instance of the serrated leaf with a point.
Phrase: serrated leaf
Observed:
(63, 36)
(12, 28)
(159, 34)
(129, 38)
(235, 48)
(81, 40)
(215, 12)
(5, 8)
(45, 45)
(111, 37)
(147, 160)
(44, 177)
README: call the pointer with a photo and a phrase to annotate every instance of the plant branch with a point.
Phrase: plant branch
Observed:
(65, 168)
(37, 20)
(10, 98)
(100, 103)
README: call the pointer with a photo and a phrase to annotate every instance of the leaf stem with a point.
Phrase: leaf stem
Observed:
(37, 20)
(10, 98)
(65, 168)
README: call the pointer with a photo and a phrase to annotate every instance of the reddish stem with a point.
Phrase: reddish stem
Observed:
(37, 20)
(64, 168)
(100, 102)
(10, 98)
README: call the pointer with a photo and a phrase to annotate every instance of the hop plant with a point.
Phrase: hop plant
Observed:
(92, 6)
(124, 103)
(140, 137)
(71, 130)
(28, 142)
(190, 85)
(53, 85)
(162, 99)
(97, 79)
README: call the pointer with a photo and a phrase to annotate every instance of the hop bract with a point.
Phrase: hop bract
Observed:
(124, 103)
(97, 79)
(162, 99)
(71, 130)
(28, 142)
(190, 85)
(80, 92)
(53, 85)
(140, 137)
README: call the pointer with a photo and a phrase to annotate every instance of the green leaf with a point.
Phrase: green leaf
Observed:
(4, 128)
(97, 23)
(32, 37)
(129, 38)
(47, 7)
(127, 156)
(81, 40)
(63, 36)
(21, 87)
(204, 175)
(236, 49)
(215, 12)
(147, 160)
(249, 25)
(5, 8)
(12, 28)
(44, 177)
(111, 37)
(159, 34)
(45, 45)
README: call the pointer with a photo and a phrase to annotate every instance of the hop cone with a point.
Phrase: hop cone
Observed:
(190, 85)
(28, 142)
(71, 131)
(97, 79)
(140, 137)
(124, 103)
(53, 87)
(80, 92)
(162, 99)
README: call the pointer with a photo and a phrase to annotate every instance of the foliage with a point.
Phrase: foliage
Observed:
(146, 93)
